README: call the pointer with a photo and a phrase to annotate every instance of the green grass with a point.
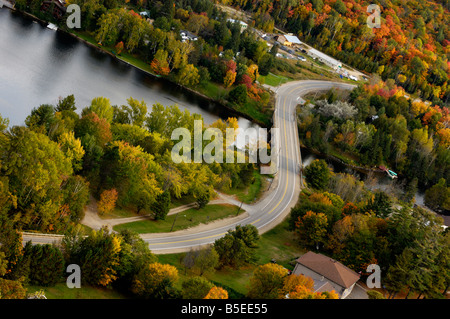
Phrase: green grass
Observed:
(272, 79)
(186, 219)
(119, 213)
(253, 191)
(61, 291)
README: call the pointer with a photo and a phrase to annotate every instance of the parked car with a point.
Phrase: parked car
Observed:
(352, 77)
(302, 58)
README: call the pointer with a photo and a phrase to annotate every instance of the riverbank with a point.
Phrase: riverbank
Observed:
(81, 36)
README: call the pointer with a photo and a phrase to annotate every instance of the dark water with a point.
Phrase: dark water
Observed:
(374, 181)
(38, 65)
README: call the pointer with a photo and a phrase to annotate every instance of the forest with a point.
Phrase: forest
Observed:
(340, 217)
(411, 46)
(378, 125)
(118, 154)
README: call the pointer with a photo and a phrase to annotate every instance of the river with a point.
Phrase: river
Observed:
(38, 65)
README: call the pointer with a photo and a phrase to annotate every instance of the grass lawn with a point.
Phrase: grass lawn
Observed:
(61, 291)
(188, 218)
(273, 80)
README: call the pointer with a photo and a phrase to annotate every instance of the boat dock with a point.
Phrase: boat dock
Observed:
(7, 4)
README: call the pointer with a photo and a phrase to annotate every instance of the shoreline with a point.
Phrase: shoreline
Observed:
(112, 55)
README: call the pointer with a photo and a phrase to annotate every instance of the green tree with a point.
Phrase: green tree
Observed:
(317, 174)
(380, 204)
(438, 196)
(161, 206)
(237, 246)
(195, 288)
(46, 265)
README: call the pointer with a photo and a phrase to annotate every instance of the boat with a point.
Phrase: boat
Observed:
(51, 26)
(389, 172)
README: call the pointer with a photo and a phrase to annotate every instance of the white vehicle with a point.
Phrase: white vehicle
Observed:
(352, 77)
(301, 58)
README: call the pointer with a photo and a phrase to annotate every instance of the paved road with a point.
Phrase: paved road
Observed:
(271, 210)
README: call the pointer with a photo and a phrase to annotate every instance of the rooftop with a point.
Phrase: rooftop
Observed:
(329, 268)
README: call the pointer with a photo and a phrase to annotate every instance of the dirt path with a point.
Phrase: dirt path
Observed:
(93, 220)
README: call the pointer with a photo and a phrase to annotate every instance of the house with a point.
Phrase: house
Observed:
(243, 25)
(316, 54)
(187, 36)
(293, 40)
(281, 39)
(287, 40)
(57, 6)
(327, 273)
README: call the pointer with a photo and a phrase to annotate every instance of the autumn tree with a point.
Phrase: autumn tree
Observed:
(266, 282)
(156, 281)
(159, 63)
(107, 201)
(312, 229)
(217, 293)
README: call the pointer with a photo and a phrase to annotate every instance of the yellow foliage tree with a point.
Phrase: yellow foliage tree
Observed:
(229, 78)
(154, 280)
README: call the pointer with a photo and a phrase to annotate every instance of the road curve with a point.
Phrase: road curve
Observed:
(271, 210)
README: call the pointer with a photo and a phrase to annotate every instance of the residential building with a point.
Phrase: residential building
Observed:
(327, 273)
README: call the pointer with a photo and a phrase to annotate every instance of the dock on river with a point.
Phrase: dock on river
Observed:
(5, 3)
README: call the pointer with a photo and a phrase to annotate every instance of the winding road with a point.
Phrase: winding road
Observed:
(282, 196)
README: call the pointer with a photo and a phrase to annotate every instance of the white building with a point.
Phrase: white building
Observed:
(335, 64)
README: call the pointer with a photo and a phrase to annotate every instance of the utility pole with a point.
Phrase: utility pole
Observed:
(176, 216)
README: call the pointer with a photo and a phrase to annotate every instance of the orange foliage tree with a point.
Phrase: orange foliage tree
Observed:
(217, 293)
(107, 201)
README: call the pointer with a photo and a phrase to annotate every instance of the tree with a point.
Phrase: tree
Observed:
(119, 47)
(107, 201)
(217, 293)
(196, 288)
(66, 104)
(437, 197)
(159, 63)
(156, 281)
(161, 206)
(46, 265)
(35, 181)
(380, 204)
(73, 149)
(238, 95)
(188, 75)
(312, 229)
(76, 196)
(267, 281)
(229, 78)
(317, 174)
(237, 246)
(206, 259)
(97, 255)
(102, 107)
